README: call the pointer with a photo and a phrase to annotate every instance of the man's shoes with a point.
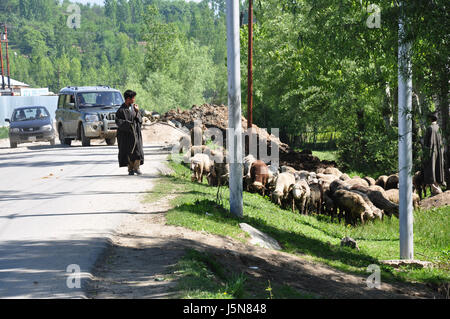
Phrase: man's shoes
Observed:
(131, 173)
(138, 172)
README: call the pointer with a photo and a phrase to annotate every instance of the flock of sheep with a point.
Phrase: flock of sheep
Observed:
(325, 191)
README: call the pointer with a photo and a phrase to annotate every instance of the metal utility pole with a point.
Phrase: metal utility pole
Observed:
(405, 142)
(250, 66)
(1, 61)
(234, 138)
(249, 79)
(7, 57)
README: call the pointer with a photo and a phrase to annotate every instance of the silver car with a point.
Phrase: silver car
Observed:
(86, 113)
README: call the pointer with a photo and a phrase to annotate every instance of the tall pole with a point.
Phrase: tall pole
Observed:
(405, 142)
(250, 66)
(234, 138)
(7, 57)
(1, 61)
(249, 78)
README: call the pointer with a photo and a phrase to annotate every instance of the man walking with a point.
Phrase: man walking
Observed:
(434, 157)
(129, 136)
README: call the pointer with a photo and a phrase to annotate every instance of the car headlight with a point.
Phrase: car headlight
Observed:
(14, 130)
(91, 117)
(47, 127)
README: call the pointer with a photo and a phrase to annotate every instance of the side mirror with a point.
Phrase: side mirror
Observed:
(71, 105)
(7, 120)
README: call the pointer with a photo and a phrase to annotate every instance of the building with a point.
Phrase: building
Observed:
(16, 86)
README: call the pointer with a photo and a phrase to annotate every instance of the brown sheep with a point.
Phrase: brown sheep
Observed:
(394, 196)
(369, 180)
(419, 184)
(259, 175)
(329, 207)
(353, 205)
(381, 181)
(316, 197)
(392, 182)
(218, 174)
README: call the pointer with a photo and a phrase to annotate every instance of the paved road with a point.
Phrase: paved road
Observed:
(58, 206)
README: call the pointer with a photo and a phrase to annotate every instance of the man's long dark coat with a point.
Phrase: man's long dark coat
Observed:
(434, 156)
(129, 136)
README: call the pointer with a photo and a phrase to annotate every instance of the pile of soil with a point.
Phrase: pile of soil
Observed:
(436, 201)
(216, 116)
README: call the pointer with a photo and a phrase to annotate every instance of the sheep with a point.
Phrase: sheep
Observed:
(320, 170)
(419, 184)
(301, 175)
(394, 196)
(259, 175)
(377, 213)
(273, 173)
(316, 197)
(353, 205)
(218, 174)
(369, 180)
(381, 181)
(299, 194)
(289, 169)
(357, 181)
(200, 164)
(327, 177)
(333, 171)
(328, 205)
(337, 184)
(282, 183)
(392, 182)
(344, 177)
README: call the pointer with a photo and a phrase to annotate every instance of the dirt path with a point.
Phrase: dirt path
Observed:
(144, 247)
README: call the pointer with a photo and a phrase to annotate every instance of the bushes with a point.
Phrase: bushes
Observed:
(372, 151)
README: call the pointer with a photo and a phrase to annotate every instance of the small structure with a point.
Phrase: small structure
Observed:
(16, 86)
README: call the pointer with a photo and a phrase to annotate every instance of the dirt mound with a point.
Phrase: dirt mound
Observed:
(161, 132)
(436, 201)
(216, 116)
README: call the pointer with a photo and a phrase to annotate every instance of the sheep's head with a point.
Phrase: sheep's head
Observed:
(297, 191)
(276, 197)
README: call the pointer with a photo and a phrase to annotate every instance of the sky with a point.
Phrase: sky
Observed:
(100, 2)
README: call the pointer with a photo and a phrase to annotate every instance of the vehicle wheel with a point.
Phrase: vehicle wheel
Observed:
(85, 141)
(62, 138)
(110, 141)
(12, 144)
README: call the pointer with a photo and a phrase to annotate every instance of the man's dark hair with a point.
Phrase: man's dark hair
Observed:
(129, 94)
(433, 117)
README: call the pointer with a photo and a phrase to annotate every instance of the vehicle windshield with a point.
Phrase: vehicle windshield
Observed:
(99, 99)
(30, 113)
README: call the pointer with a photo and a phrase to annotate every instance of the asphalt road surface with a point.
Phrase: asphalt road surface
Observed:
(58, 207)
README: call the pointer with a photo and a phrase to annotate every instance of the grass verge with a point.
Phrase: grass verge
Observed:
(316, 237)
(4, 132)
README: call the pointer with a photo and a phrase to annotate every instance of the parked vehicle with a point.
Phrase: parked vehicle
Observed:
(86, 113)
(30, 124)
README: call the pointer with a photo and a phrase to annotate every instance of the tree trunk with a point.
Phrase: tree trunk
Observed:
(444, 115)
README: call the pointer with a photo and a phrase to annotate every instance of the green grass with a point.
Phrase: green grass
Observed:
(316, 237)
(3, 132)
(325, 155)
